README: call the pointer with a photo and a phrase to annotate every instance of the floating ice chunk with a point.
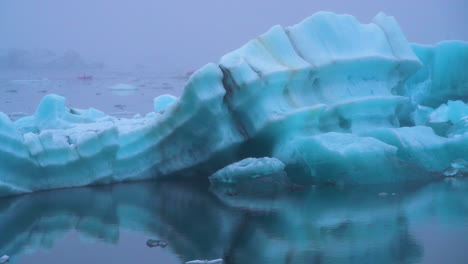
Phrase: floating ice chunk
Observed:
(262, 177)
(214, 261)
(122, 86)
(162, 102)
(249, 168)
(123, 89)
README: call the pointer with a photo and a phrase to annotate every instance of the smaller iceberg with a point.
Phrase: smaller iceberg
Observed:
(251, 177)
(249, 168)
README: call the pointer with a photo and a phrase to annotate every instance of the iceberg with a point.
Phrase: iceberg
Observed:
(336, 101)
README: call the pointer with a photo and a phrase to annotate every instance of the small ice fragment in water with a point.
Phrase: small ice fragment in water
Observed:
(123, 89)
(4, 259)
(214, 261)
(122, 86)
(393, 194)
(156, 243)
(383, 194)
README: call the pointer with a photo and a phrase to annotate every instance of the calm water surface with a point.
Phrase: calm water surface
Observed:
(111, 224)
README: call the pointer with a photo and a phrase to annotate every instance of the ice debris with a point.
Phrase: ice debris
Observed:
(361, 113)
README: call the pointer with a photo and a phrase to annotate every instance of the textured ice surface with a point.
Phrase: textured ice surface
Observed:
(335, 100)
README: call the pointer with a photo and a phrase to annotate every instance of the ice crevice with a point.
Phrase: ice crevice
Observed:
(334, 100)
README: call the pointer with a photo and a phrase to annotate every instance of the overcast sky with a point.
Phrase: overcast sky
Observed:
(175, 35)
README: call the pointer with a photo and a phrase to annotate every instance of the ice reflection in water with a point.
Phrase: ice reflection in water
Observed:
(315, 225)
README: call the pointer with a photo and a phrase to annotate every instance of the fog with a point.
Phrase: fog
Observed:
(180, 35)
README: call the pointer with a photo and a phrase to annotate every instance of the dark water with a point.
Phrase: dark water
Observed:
(111, 224)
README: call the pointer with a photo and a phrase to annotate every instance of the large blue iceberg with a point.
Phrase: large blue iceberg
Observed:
(335, 100)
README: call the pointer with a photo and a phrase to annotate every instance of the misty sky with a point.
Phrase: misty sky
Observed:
(175, 35)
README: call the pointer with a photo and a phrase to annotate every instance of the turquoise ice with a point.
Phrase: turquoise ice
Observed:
(336, 101)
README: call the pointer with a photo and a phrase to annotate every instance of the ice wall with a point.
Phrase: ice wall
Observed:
(335, 100)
